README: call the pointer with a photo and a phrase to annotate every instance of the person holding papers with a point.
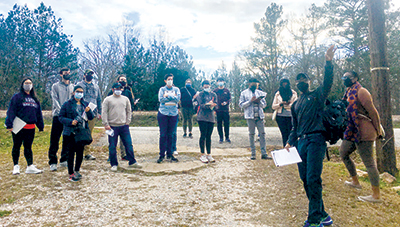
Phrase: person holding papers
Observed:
(308, 129)
(252, 101)
(72, 115)
(24, 111)
(167, 117)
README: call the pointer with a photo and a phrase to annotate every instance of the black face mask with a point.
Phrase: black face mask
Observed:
(89, 78)
(303, 87)
(67, 77)
(347, 82)
(123, 83)
(253, 88)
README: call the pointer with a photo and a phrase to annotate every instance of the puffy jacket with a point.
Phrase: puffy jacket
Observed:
(68, 113)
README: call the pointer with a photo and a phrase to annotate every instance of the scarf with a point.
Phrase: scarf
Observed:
(352, 132)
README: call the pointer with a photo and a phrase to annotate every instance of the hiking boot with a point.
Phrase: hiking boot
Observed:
(135, 166)
(190, 135)
(64, 164)
(228, 140)
(53, 167)
(210, 158)
(160, 160)
(124, 158)
(204, 158)
(172, 158)
(327, 221)
(221, 141)
(184, 135)
(114, 168)
(16, 170)
(73, 178)
(33, 169)
(78, 175)
(265, 156)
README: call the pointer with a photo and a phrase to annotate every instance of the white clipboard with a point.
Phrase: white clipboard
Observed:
(18, 124)
(283, 157)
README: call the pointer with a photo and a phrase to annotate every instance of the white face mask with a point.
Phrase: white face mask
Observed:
(170, 82)
(207, 89)
(117, 92)
(27, 87)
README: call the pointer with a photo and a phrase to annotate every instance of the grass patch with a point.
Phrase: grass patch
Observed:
(4, 213)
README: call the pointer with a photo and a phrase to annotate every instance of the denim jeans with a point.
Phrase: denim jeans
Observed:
(56, 131)
(167, 126)
(174, 138)
(223, 117)
(125, 135)
(312, 149)
(252, 124)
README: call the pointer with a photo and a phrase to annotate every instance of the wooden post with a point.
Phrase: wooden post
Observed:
(385, 150)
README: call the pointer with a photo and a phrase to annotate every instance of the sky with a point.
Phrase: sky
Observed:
(211, 31)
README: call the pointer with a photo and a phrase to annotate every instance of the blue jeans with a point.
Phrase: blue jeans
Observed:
(312, 152)
(125, 135)
(174, 138)
(167, 126)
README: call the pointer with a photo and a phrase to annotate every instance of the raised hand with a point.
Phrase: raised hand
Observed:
(330, 52)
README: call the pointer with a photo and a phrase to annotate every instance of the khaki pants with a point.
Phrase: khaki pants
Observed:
(91, 127)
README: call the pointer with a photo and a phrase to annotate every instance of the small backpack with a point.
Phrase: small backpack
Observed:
(334, 118)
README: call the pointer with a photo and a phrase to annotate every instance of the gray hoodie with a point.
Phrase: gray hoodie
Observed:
(60, 93)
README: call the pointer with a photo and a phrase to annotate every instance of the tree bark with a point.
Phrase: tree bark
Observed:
(385, 150)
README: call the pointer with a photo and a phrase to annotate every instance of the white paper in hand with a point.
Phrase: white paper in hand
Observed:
(92, 106)
(283, 157)
(18, 124)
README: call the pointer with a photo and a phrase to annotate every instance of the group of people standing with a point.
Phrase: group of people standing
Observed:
(299, 119)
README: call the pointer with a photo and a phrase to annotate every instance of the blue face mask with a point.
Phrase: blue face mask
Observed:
(188, 85)
(221, 84)
(207, 89)
(78, 95)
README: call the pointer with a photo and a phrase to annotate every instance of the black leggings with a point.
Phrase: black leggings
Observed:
(285, 125)
(206, 130)
(25, 136)
(72, 149)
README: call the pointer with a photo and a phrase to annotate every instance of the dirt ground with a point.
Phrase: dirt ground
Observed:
(233, 191)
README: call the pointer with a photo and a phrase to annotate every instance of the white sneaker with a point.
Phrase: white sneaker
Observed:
(114, 168)
(175, 152)
(64, 164)
(204, 158)
(210, 158)
(16, 170)
(33, 169)
(135, 166)
(53, 167)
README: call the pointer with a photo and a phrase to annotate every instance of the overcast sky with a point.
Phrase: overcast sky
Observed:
(210, 30)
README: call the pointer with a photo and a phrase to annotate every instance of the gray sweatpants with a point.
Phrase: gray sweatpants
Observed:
(365, 149)
(252, 124)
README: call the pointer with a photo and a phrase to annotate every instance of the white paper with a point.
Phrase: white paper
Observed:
(18, 124)
(283, 157)
(110, 132)
(84, 116)
(92, 106)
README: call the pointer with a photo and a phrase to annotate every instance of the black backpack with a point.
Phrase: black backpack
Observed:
(334, 118)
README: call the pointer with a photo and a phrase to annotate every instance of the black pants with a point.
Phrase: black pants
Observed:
(223, 117)
(73, 148)
(25, 136)
(56, 131)
(285, 125)
(206, 130)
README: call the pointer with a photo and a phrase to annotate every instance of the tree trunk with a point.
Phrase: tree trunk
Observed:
(385, 150)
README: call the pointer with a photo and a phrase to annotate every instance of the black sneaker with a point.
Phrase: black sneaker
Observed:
(124, 158)
(90, 157)
(73, 178)
(160, 160)
(184, 135)
(265, 156)
(173, 159)
(221, 141)
(190, 135)
(228, 140)
(78, 175)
